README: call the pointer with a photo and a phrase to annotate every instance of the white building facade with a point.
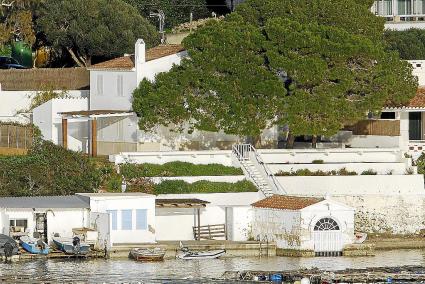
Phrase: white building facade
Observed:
(322, 226)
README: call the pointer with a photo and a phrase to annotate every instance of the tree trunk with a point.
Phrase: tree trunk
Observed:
(314, 142)
(257, 141)
(80, 62)
(290, 141)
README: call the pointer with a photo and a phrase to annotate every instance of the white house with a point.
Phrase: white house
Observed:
(47, 215)
(306, 224)
(119, 218)
(131, 216)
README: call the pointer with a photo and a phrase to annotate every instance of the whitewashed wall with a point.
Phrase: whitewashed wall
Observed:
(239, 223)
(353, 185)
(109, 98)
(60, 221)
(194, 157)
(14, 101)
(293, 229)
(47, 118)
(419, 70)
(176, 224)
(130, 202)
(391, 214)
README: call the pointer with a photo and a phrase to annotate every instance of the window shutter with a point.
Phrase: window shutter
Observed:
(126, 220)
(113, 214)
(120, 85)
(100, 85)
(141, 219)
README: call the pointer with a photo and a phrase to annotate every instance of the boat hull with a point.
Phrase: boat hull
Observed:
(8, 240)
(33, 248)
(68, 248)
(147, 255)
(201, 255)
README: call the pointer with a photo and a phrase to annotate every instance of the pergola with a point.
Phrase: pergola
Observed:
(92, 116)
(184, 203)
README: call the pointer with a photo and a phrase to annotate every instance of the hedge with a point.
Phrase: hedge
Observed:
(173, 169)
(179, 186)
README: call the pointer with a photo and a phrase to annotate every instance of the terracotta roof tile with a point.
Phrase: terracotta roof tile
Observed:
(120, 63)
(162, 51)
(418, 100)
(286, 202)
(127, 62)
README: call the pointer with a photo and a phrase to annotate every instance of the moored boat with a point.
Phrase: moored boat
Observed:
(8, 246)
(72, 246)
(210, 254)
(144, 254)
(33, 245)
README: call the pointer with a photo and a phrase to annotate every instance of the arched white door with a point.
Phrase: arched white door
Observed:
(327, 237)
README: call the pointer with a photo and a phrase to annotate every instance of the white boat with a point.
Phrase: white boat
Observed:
(185, 253)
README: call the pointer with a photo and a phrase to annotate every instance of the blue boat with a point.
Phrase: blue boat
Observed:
(72, 246)
(33, 245)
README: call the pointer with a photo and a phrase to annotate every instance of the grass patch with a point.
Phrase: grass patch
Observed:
(179, 186)
(307, 172)
(174, 169)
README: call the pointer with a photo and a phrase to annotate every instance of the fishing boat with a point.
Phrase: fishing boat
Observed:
(33, 245)
(8, 246)
(144, 254)
(185, 253)
(72, 246)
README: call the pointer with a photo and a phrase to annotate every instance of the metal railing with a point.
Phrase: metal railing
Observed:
(243, 152)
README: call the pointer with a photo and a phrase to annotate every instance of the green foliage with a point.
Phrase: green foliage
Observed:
(94, 28)
(410, 44)
(307, 172)
(176, 11)
(47, 170)
(16, 21)
(369, 172)
(420, 163)
(317, 162)
(173, 169)
(179, 186)
(5, 50)
(313, 65)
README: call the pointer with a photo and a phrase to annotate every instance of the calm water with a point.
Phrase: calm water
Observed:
(128, 271)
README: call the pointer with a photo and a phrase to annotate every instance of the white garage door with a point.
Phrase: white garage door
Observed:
(327, 237)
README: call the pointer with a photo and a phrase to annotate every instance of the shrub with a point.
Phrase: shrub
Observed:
(48, 169)
(317, 162)
(369, 172)
(130, 171)
(420, 163)
(179, 186)
(307, 172)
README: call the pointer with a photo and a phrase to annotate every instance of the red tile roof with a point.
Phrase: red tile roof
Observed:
(418, 100)
(286, 202)
(127, 62)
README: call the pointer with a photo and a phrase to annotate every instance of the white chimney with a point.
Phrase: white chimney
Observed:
(139, 53)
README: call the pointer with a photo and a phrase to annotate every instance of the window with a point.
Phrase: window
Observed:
(126, 220)
(120, 86)
(326, 224)
(113, 214)
(100, 85)
(18, 225)
(141, 219)
(388, 115)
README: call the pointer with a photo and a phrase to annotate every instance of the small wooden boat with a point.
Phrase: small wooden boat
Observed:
(359, 238)
(8, 246)
(142, 254)
(72, 246)
(185, 253)
(33, 245)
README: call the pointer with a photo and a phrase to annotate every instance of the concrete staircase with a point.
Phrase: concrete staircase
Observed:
(256, 170)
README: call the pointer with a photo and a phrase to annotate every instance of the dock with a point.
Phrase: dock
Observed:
(24, 255)
(405, 274)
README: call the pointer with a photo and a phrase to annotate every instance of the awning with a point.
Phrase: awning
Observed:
(95, 113)
(181, 203)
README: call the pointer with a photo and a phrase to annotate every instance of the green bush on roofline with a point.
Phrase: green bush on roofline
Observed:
(173, 169)
(179, 186)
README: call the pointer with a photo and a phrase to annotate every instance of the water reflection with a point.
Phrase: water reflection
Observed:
(107, 271)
